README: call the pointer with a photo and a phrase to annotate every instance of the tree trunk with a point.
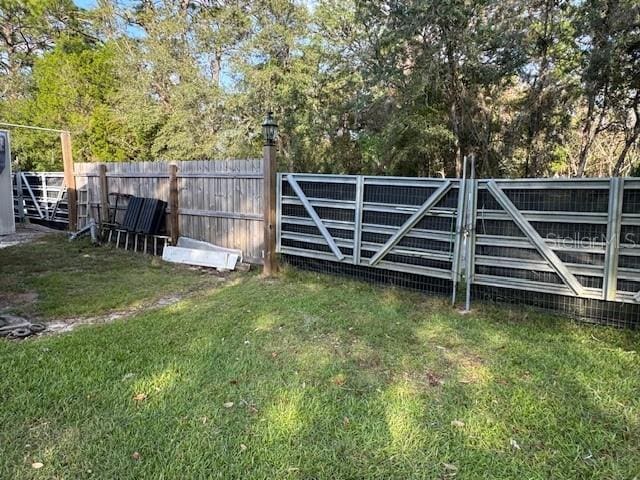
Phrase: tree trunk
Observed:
(633, 138)
(454, 111)
(623, 155)
(586, 141)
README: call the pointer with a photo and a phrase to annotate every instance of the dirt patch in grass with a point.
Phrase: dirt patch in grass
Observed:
(19, 301)
(26, 234)
(68, 324)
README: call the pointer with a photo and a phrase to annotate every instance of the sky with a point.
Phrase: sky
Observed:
(85, 3)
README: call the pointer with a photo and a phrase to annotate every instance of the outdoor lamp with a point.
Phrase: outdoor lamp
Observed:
(269, 130)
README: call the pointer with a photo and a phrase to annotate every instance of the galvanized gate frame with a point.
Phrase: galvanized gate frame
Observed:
(610, 248)
(45, 206)
(441, 187)
(549, 255)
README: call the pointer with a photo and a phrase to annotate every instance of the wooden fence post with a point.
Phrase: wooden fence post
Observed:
(173, 204)
(69, 180)
(104, 194)
(269, 196)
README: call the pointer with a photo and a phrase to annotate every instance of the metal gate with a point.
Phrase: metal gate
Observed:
(569, 245)
(40, 196)
(404, 225)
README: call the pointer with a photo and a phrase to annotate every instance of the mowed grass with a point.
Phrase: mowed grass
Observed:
(55, 278)
(317, 377)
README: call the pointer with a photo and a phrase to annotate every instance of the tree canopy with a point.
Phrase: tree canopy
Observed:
(405, 87)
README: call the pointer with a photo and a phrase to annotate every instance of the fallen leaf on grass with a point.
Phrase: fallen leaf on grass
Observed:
(243, 447)
(433, 379)
(339, 381)
(227, 404)
(140, 397)
(457, 423)
(135, 456)
(450, 470)
(514, 444)
(37, 465)
(346, 422)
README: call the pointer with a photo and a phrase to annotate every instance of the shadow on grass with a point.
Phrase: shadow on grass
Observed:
(312, 377)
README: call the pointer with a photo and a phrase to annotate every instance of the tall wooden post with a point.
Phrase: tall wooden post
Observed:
(174, 224)
(269, 198)
(104, 194)
(69, 180)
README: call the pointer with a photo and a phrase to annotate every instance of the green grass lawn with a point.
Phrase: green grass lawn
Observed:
(307, 376)
(54, 278)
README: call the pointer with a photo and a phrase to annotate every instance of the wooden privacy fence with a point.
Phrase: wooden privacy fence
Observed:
(219, 201)
(570, 245)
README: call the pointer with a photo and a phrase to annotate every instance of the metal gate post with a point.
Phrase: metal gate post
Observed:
(614, 222)
(460, 226)
(278, 212)
(357, 226)
(471, 212)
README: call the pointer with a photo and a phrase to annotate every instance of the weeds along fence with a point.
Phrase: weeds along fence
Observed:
(219, 201)
(571, 246)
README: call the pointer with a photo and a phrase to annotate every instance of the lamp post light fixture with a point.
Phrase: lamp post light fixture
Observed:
(269, 130)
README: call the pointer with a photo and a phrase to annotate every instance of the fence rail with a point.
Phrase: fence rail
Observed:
(570, 245)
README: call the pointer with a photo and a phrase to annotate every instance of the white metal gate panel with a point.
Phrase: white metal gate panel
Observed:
(569, 237)
(409, 225)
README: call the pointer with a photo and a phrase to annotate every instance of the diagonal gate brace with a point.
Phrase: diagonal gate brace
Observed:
(314, 216)
(549, 255)
(25, 182)
(411, 222)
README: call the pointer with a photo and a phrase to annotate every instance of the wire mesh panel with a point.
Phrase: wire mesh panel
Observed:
(562, 245)
(404, 231)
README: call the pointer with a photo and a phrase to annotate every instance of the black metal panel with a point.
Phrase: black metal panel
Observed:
(545, 200)
(132, 213)
(151, 216)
